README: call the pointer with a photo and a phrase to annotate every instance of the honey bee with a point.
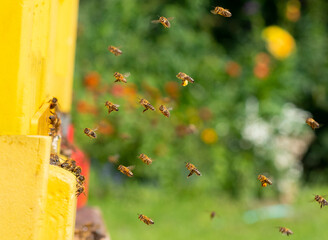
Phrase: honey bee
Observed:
(164, 21)
(90, 133)
(80, 189)
(80, 179)
(52, 132)
(69, 164)
(286, 231)
(192, 169)
(185, 78)
(53, 103)
(77, 171)
(145, 219)
(145, 159)
(221, 11)
(54, 159)
(125, 170)
(111, 107)
(55, 121)
(312, 123)
(264, 180)
(323, 202)
(165, 111)
(114, 50)
(121, 77)
(146, 104)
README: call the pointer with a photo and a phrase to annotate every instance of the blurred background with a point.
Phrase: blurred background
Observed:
(258, 76)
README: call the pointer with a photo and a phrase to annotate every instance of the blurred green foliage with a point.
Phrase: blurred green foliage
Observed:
(249, 114)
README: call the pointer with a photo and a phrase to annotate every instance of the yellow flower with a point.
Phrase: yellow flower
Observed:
(279, 42)
(209, 136)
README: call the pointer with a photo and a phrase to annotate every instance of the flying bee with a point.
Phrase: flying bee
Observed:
(146, 104)
(145, 159)
(114, 50)
(286, 231)
(165, 111)
(185, 78)
(213, 214)
(125, 170)
(323, 202)
(192, 169)
(90, 133)
(221, 11)
(164, 21)
(111, 107)
(312, 123)
(121, 77)
(54, 159)
(53, 103)
(264, 180)
(145, 219)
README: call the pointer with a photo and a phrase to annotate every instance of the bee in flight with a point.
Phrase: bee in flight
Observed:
(125, 170)
(146, 104)
(213, 214)
(221, 11)
(145, 159)
(264, 180)
(185, 78)
(192, 169)
(114, 50)
(164, 21)
(111, 106)
(165, 110)
(312, 123)
(323, 202)
(286, 231)
(90, 133)
(121, 77)
(145, 219)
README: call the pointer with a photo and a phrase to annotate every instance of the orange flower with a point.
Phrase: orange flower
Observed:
(209, 136)
(233, 69)
(262, 65)
(86, 108)
(117, 90)
(92, 80)
(172, 89)
(279, 42)
(105, 128)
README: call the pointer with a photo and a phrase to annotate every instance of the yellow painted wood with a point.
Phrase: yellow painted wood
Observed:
(23, 185)
(60, 210)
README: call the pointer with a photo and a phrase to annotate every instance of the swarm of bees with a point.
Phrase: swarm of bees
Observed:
(181, 130)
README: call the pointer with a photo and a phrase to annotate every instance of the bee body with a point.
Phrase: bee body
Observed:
(185, 78)
(53, 103)
(121, 77)
(111, 107)
(90, 133)
(165, 111)
(312, 123)
(115, 50)
(54, 159)
(323, 202)
(146, 219)
(146, 105)
(147, 160)
(164, 21)
(192, 169)
(221, 11)
(264, 180)
(125, 170)
(286, 231)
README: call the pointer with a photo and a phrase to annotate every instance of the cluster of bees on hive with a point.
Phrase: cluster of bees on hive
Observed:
(89, 231)
(186, 79)
(63, 161)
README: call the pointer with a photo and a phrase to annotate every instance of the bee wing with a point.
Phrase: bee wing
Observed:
(126, 74)
(131, 167)
(170, 108)
(170, 18)
(212, 11)
(116, 105)
(191, 173)
(155, 21)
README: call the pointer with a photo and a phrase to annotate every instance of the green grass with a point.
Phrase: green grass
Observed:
(187, 216)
